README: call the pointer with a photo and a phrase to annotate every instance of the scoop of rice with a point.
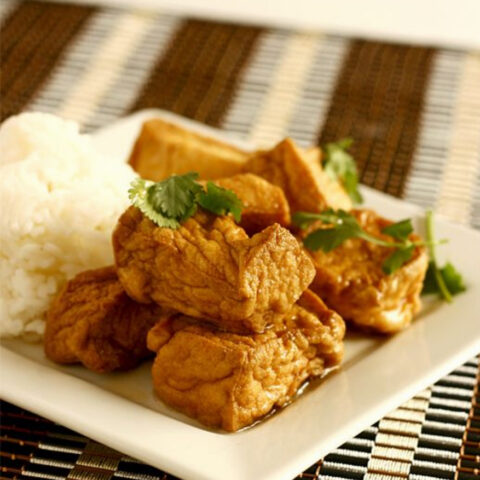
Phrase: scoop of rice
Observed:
(59, 202)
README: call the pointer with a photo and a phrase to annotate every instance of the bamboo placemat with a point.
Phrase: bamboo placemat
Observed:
(413, 111)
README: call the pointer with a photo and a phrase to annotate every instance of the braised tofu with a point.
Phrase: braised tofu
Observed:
(351, 281)
(263, 203)
(209, 268)
(94, 322)
(163, 149)
(300, 175)
(229, 381)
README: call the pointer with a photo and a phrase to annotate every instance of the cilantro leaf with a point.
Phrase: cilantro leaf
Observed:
(175, 196)
(220, 201)
(138, 197)
(451, 278)
(337, 216)
(400, 230)
(429, 282)
(340, 165)
(397, 259)
(137, 190)
(303, 219)
(345, 226)
(327, 239)
(172, 201)
(350, 183)
(445, 281)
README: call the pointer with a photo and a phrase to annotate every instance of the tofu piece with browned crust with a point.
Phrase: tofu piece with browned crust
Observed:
(163, 149)
(94, 322)
(351, 281)
(209, 268)
(229, 381)
(300, 175)
(263, 203)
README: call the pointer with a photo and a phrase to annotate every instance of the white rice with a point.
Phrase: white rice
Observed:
(59, 201)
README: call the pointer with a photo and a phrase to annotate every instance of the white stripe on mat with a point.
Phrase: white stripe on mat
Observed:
(457, 189)
(263, 90)
(104, 65)
(397, 438)
(135, 71)
(436, 124)
(74, 63)
(255, 83)
(314, 100)
(278, 106)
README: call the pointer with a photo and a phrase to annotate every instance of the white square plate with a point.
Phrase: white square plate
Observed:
(121, 410)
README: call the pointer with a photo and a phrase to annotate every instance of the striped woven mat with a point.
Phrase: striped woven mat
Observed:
(413, 111)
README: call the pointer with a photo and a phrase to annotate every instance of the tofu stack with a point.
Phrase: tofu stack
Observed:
(229, 380)
(247, 332)
(238, 316)
(349, 279)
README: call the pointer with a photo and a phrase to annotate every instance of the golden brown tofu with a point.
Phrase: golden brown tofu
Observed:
(313, 154)
(94, 322)
(350, 279)
(209, 268)
(300, 175)
(163, 149)
(263, 203)
(230, 381)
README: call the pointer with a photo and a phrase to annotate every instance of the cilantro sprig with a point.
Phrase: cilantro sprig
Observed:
(172, 201)
(340, 165)
(445, 281)
(344, 225)
(220, 201)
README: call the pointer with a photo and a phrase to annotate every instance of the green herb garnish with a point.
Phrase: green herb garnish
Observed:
(220, 201)
(397, 258)
(445, 281)
(340, 165)
(344, 225)
(400, 230)
(172, 201)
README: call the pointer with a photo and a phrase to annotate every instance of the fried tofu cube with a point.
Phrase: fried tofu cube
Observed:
(300, 175)
(351, 281)
(94, 322)
(209, 268)
(229, 381)
(263, 203)
(163, 149)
